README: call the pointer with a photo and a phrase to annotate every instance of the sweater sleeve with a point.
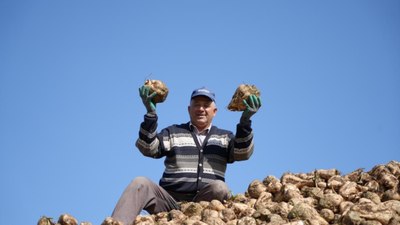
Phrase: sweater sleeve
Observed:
(242, 145)
(148, 141)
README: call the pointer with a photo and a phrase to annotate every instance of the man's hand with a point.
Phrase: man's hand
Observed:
(253, 103)
(148, 98)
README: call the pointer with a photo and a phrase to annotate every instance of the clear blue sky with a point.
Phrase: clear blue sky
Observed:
(329, 73)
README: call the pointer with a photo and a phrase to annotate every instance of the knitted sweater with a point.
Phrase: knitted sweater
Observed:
(189, 166)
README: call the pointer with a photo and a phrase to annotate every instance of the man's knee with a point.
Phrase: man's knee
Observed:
(219, 188)
(215, 190)
(139, 183)
(141, 180)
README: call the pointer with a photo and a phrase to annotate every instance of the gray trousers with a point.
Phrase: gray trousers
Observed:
(142, 193)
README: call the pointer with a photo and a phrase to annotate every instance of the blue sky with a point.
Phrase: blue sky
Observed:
(329, 73)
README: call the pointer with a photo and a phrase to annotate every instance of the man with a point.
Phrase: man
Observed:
(196, 155)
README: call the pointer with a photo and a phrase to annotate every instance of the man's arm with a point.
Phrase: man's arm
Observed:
(242, 142)
(148, 142)
(243, 145)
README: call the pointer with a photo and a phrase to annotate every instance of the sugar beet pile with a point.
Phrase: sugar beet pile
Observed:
(320, 197)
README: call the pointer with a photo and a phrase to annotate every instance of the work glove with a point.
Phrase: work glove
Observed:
(253, 103)
(147, 99)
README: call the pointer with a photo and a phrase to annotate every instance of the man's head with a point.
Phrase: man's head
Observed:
(202, 108)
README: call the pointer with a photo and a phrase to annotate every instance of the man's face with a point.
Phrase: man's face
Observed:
(202, 110)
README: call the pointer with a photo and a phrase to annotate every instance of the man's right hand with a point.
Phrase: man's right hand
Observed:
(147, 98)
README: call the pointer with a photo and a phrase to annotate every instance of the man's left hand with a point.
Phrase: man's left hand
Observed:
(253, 103)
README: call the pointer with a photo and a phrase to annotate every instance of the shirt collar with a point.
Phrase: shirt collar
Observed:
(196, 131)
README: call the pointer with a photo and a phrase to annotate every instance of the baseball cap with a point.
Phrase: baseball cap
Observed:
(203, 92)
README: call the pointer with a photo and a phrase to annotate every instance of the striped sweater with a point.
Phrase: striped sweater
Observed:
(189, 166)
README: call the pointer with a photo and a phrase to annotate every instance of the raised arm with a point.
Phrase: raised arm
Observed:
(148, 142)
(243, 144)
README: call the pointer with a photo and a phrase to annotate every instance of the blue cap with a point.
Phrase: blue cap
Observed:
(203, 92)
